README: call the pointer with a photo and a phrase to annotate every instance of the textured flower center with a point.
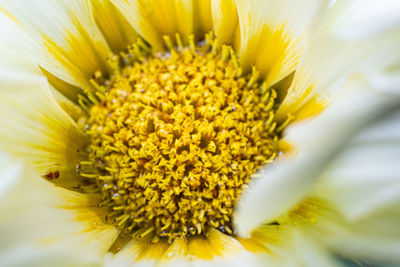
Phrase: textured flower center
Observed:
(175, 138)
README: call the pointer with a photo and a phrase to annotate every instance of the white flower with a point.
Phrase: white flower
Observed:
(321, 77)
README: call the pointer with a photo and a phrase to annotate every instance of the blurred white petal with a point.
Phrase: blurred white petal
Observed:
(366, 18)
(34, 231)
(318, 142)
(365, 177)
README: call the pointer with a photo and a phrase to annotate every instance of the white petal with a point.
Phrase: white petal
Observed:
(26, 255)
(358, 240)
(19, 72)
(17, 69)
(37, 129)
(318, 142)
(9, 173)
(338, 11)
(308, 252)
(329, 60)
(275, 33)
(387, 82)
(382, 71)
(33, 230)
(365, 177)
(68, 43)
(366, 18)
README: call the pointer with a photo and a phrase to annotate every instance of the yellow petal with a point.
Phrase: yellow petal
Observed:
(225, 20)
(215, 249)
(214, 245)
(203, 21)
(154, 19)
(115, 28)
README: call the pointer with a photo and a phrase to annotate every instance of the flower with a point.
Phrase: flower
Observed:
(146, 121)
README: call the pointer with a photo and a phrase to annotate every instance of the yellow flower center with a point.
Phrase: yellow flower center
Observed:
(176, 137)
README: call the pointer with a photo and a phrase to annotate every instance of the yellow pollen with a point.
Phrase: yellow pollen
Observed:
(175, 137)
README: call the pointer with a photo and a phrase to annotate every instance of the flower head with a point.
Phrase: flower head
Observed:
(163, 132)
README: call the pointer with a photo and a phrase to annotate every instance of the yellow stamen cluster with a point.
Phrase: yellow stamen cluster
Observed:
(175, 139)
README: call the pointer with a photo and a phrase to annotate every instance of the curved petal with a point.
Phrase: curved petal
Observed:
(68, 43)
(318, 143)
(365, 177)
(330, 58)
(359, 240)
(33, 231)
(36, 128)
(275, 33)
(309, 252)
(359, 19)
(17, 70)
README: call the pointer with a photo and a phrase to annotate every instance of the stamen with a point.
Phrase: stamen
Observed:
(174, 137)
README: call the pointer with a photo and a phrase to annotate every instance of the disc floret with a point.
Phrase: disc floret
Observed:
(176, 137)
